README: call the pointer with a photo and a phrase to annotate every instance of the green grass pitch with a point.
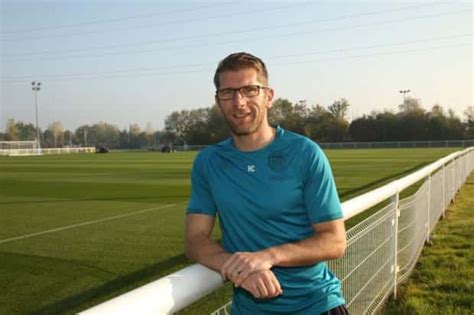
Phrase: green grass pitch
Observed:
(76, 230)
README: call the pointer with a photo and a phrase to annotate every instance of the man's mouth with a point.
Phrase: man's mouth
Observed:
(241, 115)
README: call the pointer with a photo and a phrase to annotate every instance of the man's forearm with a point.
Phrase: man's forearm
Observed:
(207, 252)
(324, 245)
(306, 252)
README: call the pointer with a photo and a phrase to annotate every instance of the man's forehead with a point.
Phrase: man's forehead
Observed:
(246, 74)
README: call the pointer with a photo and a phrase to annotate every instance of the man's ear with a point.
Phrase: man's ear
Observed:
(218, 105)
(269, 97)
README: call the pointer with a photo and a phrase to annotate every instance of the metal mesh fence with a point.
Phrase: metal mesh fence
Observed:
(223, 310)
(366, 272)
(382, 250)
(412, 229)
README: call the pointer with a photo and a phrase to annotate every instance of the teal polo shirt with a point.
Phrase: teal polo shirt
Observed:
(266, 198)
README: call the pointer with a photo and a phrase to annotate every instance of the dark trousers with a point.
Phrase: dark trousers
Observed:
(340, 310)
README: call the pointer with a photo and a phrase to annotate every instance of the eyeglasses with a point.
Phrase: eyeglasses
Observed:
(245, 91)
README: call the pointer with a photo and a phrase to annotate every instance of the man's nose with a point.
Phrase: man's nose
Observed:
(238, 100)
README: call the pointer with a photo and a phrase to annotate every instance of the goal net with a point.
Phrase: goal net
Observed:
(19, 148)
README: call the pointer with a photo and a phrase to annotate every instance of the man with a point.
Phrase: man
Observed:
(277, 203)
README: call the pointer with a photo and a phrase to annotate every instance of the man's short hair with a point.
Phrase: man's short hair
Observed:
(239, 61)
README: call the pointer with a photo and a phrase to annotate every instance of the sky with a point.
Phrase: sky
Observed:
(128, 62)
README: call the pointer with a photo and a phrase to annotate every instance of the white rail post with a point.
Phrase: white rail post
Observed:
(453, 163)
(428, 208)
(395, 199)
(464, 158)
(444, 191)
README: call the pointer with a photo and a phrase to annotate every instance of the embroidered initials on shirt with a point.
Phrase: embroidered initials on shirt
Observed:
(251, 168)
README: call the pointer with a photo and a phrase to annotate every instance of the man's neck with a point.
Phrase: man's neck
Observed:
(256, 140)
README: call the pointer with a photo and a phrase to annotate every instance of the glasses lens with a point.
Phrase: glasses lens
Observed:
(225, 94)
(250, 90)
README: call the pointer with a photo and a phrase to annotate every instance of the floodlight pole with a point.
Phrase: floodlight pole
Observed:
(85, 138)
(404, 92)
(36, 86)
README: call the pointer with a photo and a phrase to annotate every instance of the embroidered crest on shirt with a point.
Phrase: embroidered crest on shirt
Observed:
(276, 161)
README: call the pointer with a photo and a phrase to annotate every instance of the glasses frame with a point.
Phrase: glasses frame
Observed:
(260, 87)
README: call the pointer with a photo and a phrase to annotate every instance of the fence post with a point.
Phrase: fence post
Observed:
(428, 208)
(395, 199)
(444, 191)
(453, 180)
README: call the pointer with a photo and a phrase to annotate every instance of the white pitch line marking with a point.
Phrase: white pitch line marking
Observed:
(84, 223)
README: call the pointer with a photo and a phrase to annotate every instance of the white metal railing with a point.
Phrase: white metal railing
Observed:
(381, 250)
(35, 151)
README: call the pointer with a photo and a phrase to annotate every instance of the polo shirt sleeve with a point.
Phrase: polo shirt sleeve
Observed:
(320, 193)
(201, 201)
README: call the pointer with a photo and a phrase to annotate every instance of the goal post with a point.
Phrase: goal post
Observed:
(11, 148)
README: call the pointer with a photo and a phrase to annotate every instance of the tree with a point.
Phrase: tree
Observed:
(105, 134)
(48, 139)
(69, 138)
(11, 130)
(289, 116)
(168, 138)
(26, 131)
(149, 134)
(438, 123)
(83, 135)
(339, 109)
(178, 123)
(134, 136)
(363, 129)
(338, 128)
(197, 131)
(280, 111)
(387, 126)
(469, 113)
(411, 105)
(413, 121)
(315, 127)
(218, 129)
(456, 129)
(124, 139)
(57, 130)
(99, 134)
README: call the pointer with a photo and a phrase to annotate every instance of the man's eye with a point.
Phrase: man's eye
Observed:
(249, 89)
(226, 92)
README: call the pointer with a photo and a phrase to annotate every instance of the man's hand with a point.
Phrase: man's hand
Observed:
(241, 264)
(262, 285)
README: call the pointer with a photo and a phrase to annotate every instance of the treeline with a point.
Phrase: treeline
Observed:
(205, 126)
(98, 134)
(331, 124)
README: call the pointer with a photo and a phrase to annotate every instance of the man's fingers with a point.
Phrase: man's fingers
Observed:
(229, 266)
(277, 286)
(272, 285)
(252, 288)
(241, 277)
(262, 288)
(262, 285)
(234, 267)
(255, 291)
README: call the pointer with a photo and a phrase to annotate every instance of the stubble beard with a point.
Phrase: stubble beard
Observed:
(255, 126)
